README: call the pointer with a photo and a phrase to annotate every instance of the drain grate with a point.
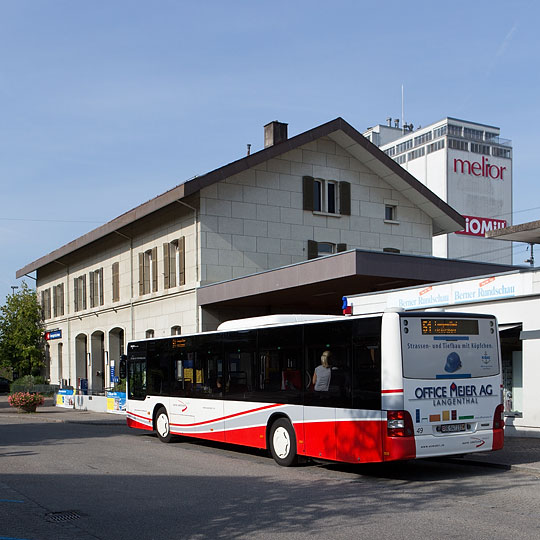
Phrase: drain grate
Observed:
(60, 517)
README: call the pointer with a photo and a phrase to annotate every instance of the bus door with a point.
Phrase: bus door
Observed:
(360, 422)
(328, 384)
(241, 421)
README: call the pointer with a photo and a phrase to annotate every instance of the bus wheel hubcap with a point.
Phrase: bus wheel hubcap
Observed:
(281, 442)
(162, 425)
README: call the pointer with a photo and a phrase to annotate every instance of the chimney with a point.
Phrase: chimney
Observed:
(274, 133)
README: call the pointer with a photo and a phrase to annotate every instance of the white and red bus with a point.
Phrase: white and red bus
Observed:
(397, 385)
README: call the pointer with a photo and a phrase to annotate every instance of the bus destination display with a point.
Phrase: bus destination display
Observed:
(450, 327)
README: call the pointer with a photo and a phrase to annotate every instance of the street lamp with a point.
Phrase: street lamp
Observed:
(13, 287)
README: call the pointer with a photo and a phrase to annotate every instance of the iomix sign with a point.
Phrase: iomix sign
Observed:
(478, 226)
(479, 168)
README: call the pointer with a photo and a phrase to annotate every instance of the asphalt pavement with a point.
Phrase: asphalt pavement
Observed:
(519, 453)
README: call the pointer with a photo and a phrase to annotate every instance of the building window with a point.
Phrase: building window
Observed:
(401, 159)
(327, 196)
(390, 151)
(174, 263)
(148, 280)
(96, 288)
(58, 300)
(116, 282)
(79, 288)
(433, 147)
(149, 334)
(419, 152)
(458, 145)
(474, 134)
(46, 303)
(480, 149)
(439, 132)
(404, 146)
(500, 152)
(454, 130)
(389, 212)
(421, 139)
(319, 249)
(176, 330)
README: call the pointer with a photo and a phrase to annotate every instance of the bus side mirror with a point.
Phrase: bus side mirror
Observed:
(122, 368)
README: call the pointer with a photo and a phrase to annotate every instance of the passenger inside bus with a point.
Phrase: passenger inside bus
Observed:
(323, 373)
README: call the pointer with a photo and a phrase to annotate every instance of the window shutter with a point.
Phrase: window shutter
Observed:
(154, 270)
(84, 291)
(182, 260)
(92, 288)
(307, 191)
(345, 198)
(173, 250)
(312, 249)
(166, 266)
(101, 299)
(116, 281)
(341, 247)
(76, 293)
(141, 273)
(55, 301)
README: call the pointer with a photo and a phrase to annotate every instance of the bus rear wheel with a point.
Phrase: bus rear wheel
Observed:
(162, 426)
(283, 443)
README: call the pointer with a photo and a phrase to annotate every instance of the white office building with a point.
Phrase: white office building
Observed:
(469, 166)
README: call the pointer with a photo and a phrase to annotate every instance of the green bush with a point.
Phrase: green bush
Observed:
(28, 381)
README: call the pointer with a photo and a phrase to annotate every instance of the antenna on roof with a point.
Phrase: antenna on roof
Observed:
(402, 111)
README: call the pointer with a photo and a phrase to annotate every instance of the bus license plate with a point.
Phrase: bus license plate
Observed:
(452, 428)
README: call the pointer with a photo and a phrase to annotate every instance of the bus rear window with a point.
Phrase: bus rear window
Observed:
(449, 348)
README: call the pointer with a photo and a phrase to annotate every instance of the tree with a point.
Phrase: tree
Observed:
(21, 333)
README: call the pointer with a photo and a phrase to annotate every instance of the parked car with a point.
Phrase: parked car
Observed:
(4, 384)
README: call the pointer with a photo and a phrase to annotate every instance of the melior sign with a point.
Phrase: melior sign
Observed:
(478, 226)
(477, 168)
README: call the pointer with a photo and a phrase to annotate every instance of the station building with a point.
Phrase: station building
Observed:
(288, 229)
(469, 166)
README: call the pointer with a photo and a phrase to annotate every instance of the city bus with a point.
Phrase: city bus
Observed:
(358, 389)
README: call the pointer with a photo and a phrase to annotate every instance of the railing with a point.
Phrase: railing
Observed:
(35, 388)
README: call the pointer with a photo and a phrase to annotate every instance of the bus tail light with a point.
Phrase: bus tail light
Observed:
(498, 417)
(399, 424)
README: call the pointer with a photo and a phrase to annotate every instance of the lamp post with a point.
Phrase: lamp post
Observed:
(13, 287)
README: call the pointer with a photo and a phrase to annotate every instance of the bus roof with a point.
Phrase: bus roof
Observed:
(271, 320)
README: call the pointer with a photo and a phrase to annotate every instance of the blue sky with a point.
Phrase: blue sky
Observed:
(106, 104)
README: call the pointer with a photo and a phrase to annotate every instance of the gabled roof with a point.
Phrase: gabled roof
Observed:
(445, 218)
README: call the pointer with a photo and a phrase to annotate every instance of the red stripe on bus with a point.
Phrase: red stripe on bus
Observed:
(229, 416)
(139, 416)
(396, 391)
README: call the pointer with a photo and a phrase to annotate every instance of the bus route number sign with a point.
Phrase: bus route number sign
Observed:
(449, 327)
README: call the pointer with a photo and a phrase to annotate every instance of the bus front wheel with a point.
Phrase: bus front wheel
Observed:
(283, 443)
(162, 427)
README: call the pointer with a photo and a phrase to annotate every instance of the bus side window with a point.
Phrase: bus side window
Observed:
(279, 377)
(158, 369)
(367, 375)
